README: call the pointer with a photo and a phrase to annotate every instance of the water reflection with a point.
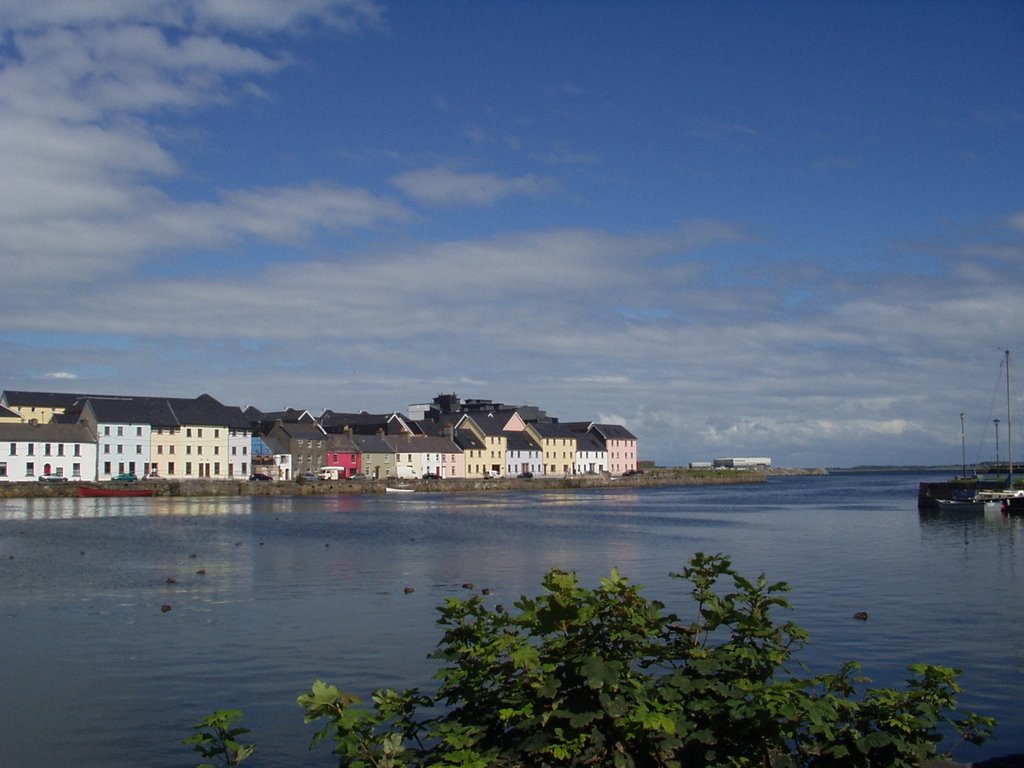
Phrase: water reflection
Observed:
(268, 593)
(90, 508)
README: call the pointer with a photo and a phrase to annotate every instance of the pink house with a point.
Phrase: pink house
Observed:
(343, 457)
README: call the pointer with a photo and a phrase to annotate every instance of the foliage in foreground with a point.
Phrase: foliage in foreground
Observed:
(606, 677)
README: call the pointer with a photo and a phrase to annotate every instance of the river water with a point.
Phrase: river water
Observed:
(268, 594)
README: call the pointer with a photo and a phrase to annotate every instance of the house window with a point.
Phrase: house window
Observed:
(170, 449)
(216, 433)
(3, 469)
(31, 450)
(30, 468)
(138, 449)
(60, 449)
(106, 448)
(14, 449)
(106, 467)
(46, 449)
(106, 431)
(159, 449)
(188, 432)
(120, 431)
(76, 470)
(138, 431)
(120, 448)
(199, 432)
(170, 468)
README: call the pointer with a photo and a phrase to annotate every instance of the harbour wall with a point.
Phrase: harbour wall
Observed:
(216, 488)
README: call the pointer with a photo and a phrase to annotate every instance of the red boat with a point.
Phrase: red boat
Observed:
(90, 491)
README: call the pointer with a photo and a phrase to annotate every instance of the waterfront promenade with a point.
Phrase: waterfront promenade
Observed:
(657, 477)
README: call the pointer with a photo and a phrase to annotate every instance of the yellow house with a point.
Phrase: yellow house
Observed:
(488, 458)
(558, 443)
(38, 407)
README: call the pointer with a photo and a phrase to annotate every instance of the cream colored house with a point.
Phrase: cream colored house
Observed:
(558, 444)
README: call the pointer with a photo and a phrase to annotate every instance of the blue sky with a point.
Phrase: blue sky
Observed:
(776, 229)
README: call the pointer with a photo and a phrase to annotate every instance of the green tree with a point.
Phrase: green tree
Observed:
(607, 677)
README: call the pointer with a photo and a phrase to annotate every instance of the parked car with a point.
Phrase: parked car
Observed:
(125, 477)
(260, 477)
(154, 475)
(526, 475)
(308, 477)
(358, 476)
(52, 479)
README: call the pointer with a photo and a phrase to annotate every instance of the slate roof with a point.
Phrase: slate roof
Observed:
(371, 444)
(521, 441)
(492, 424)
(587, 442)
(613, 432)
(421, 444)
(342, 443)
(467, 441)
(300, 430)
(364, 423)
(553, 429)
(163, 411)
(21, 399)
(24, 432)
(289, 415)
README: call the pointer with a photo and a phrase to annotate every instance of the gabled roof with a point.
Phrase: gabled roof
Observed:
(364, 423)
(342, 443)
(421, 444)
(299, 430)
(371, 444)
(25, 432)
(275, 446)
(467, 441)
(587, 442)
(613, 432)
(208, 410)
(521, 441)
(128, 410)
(289, 415)
(163, 411)
(21, 399)
(551, 429)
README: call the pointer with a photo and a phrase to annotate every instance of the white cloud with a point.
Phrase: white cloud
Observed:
(443, 186)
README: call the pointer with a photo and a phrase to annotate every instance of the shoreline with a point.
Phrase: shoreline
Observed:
(652, 478)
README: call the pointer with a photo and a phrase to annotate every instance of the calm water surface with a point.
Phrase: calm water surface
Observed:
(93, 673)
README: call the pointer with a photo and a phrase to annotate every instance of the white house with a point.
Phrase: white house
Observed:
(29, 450)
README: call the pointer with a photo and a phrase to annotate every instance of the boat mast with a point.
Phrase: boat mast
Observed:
(1009, 433)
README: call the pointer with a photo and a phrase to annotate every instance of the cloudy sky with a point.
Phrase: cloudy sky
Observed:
(786, 229)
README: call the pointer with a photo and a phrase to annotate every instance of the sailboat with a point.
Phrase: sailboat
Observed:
(1011, 502)
(955, 497)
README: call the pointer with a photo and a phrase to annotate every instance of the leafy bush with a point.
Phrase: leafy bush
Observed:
(606, 677)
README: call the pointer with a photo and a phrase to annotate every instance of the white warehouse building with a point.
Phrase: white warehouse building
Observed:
(743, 463)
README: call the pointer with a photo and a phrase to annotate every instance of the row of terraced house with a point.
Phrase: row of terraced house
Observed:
(100, 437)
